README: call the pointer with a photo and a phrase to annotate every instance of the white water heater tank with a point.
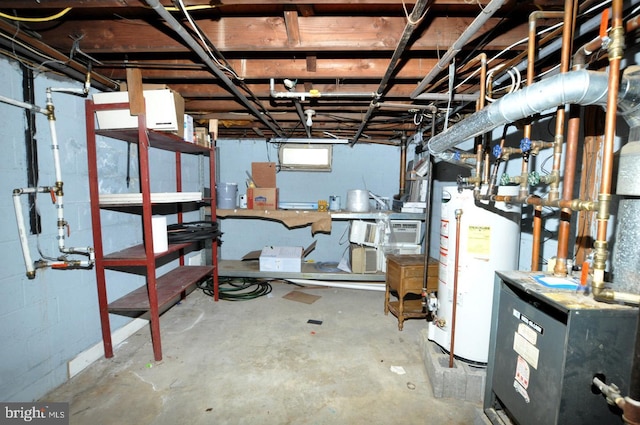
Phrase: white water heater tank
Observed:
(489, 241)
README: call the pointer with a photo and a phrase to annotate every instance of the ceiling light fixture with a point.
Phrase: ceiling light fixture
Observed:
(290, 84)
(309, 113)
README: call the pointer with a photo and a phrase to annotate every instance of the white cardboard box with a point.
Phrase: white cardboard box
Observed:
(188, 129)
(165, 111)
(280, 258)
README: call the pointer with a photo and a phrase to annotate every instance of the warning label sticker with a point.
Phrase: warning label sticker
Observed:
(528, 351)
(522, 372)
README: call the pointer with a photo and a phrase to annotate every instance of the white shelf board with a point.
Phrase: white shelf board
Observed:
(133, 199)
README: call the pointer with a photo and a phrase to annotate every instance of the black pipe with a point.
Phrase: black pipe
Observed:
(31, 147)
(413, 22)
(634, 384)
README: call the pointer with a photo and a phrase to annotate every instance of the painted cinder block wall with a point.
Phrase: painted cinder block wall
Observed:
(47, 321)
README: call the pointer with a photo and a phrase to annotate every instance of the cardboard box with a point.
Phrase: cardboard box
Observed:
(202, 137)
(264, 174)
(262, 198)
(265, 195)
(165, 111)
(280, 258)
(189, 131)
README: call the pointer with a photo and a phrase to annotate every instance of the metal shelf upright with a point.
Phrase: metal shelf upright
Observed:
(160, 292)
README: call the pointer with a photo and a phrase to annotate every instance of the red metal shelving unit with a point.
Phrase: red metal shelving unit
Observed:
(160, 292)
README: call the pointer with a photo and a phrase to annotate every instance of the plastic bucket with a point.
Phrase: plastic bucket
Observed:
(226, 195)
(358, 200)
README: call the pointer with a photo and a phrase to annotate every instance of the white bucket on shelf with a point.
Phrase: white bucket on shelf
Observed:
(159, 233)
(226, 195)
(358, 200)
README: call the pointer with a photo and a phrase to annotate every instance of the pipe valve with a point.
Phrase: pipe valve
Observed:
(525, 145)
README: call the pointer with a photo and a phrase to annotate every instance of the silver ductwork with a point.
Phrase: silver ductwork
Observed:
(577, 87)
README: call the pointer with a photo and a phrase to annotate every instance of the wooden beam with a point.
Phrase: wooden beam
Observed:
(269, 34)
(83, 4)
(293, 30)
(134, 87)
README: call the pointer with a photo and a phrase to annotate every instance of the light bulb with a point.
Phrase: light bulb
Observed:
(290, 84)
(309, 113)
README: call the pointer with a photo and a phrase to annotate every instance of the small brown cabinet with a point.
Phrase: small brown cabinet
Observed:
(405, 275)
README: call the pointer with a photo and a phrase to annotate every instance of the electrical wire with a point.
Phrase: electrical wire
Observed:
(233, 289)
(524, 40)
(44, 19)
(205, 43)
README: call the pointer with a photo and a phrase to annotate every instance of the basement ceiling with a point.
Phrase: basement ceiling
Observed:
(361, 66)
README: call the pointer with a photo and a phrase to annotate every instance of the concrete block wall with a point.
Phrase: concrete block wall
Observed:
(363, 166)
(47, 321)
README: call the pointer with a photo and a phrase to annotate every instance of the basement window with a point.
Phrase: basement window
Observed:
(305, 157)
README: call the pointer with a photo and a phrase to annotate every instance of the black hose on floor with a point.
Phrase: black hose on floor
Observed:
(237, 289)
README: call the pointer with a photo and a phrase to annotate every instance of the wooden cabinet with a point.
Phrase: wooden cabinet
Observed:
(405, 276)
(160, 292)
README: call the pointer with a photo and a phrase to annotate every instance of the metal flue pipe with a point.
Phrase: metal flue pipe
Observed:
(197, 48)
(576, 87)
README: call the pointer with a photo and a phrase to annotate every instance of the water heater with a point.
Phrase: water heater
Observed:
(489, 241)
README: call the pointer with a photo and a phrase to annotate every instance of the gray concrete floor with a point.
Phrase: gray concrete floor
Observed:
(260, 362)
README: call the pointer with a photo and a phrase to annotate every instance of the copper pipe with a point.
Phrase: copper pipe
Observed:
(478, 180)
(536, 242)
(573, 204)
(486, 168)
(567, 193)
(616, 51)
(567, 31)
(570, 7)
(580, 56)
(531, 61)
(632, 24)
(464, 68)
(483, 79)
(403, 163)
(481, 103)
(571, 155)
(458, 213)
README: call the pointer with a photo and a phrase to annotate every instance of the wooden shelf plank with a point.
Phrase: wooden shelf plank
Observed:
(169, 286)
(238, 268)
(136, 256)
(157, 139)
(411, 309)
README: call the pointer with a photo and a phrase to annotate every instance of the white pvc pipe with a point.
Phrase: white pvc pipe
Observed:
(24, 105)
(346, 285)
(304, 95)
(59, 201)
(55, 148)
(22, 234)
